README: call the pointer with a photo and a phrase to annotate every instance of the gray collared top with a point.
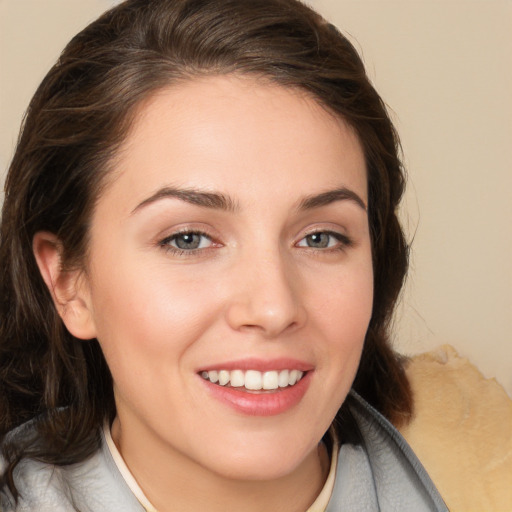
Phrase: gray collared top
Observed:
(379, 474)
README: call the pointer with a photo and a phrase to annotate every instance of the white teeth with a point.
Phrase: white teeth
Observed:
(293, 377)
(237, 378)
(253, 379)
(223, 377)
(283, 378)
(270, 380)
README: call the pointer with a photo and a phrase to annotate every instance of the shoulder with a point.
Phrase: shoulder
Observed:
(93, 485)
(381, 471)
(40, 486)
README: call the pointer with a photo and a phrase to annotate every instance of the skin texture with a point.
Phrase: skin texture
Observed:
(255, 288)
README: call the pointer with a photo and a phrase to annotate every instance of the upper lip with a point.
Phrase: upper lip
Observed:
(262, 365)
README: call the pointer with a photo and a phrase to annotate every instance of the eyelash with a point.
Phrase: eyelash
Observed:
(344, 242)
(165, 243)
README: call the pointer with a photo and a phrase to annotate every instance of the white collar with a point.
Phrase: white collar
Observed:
(319, 505)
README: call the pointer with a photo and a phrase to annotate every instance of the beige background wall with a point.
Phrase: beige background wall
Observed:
(445, 69)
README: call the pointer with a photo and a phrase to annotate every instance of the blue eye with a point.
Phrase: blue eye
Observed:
(324, 240)
(187, 241)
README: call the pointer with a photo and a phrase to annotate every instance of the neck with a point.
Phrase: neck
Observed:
(172, 481)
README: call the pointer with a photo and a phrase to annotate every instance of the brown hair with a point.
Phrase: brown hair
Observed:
(75, 123)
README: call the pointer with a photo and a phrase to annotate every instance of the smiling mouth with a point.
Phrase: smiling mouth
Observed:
(254, 380)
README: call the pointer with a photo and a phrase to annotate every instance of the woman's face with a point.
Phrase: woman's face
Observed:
(232, 243)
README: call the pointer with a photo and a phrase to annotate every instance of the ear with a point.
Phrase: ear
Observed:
(69, 288)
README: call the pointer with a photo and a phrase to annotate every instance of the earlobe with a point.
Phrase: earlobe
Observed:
(68, 288)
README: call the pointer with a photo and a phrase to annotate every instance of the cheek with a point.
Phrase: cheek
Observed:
(342, 315)
(342, 301)
(148, 315)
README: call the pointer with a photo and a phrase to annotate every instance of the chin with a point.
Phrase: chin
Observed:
(260, 460)
(256, 471)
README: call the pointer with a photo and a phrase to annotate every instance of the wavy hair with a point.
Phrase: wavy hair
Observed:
(74, 125)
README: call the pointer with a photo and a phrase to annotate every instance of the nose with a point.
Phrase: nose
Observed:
(266, 296)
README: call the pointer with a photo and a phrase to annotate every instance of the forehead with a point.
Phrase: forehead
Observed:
(239, 133)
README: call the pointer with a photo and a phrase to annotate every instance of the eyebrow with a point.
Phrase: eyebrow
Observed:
(219, 201)
(331, 196)
(212, 200)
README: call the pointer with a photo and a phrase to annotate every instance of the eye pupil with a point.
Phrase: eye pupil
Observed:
(318, 240)
(188, 241)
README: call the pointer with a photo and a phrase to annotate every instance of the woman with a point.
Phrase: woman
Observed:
(200, 258)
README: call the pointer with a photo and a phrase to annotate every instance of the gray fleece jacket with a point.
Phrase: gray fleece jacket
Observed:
(379, 474)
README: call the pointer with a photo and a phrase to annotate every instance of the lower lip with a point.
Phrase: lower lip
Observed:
(265, 403)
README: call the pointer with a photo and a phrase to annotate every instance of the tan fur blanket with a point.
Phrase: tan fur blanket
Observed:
(462, 431)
